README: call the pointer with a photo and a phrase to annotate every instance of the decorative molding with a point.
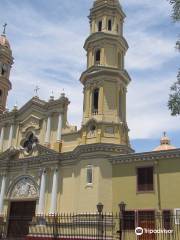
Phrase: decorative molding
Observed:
(24, 188)
(30, 122)
(146, 156)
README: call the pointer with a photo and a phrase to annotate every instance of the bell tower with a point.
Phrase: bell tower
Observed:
(105, 80)
(6, 61)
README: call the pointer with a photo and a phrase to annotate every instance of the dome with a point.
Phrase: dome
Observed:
(165, 144)
(4, 41)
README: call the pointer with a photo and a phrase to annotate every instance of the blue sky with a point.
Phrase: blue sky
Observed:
(47, 40)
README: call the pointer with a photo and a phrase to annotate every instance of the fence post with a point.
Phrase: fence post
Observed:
(55, 231)
(122, 207)
(100, 220)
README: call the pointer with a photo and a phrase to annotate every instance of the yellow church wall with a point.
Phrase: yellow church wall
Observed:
(110, 52)
(74, 194)
(169, 171)
(109, 100)
(66, 190)
(70, 141)
(125, 186)
(125, 189)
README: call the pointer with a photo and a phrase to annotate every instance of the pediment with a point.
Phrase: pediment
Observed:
(9, 153)
(31, 121)
(37, 151)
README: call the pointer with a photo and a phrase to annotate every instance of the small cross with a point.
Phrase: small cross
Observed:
(4, 28)
(36, 91)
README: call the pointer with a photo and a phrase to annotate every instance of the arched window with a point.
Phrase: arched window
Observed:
(121, 105)
(30, 140)
(89, 175)
(119, 59)
(95, 100)
(109, 25)
(1, 94)
(99, 26)
(97, 56)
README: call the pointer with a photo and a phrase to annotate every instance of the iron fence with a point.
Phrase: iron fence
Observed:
(128, 225)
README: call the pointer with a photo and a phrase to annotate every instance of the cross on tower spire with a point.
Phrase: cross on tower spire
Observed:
(4, 28)
(36, 91)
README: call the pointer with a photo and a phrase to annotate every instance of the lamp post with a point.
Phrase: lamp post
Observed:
(122, 207)
(100, 220)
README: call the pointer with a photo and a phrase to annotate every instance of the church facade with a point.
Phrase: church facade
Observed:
(56, 168)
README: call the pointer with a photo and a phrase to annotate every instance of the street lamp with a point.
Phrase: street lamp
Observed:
(100, 207)
(100, 220)
(122, 207)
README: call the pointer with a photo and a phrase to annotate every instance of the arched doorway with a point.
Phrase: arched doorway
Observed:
(22, 206)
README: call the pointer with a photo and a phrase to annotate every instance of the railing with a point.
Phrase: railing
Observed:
(101, 226)
(74, 226)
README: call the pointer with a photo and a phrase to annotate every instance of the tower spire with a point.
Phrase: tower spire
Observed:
(6, 62)
(105, 80)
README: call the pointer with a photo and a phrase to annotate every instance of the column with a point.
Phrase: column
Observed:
(101, 100)
(11, 135)
(48, 131)
(59, 130)
(42, 193)
(3, 185)
(1, 139)
(54, 193)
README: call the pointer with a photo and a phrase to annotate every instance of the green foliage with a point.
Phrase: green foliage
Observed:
(174, 97)
(176, 9)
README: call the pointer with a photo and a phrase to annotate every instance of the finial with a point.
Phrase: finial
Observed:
(52, 96)
(63, 93)
(164, 133)
(15, 108)
(4, 28)
(36, 91)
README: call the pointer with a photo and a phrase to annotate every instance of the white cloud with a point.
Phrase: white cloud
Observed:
(148, 114)
(50, 54)
(149, 51)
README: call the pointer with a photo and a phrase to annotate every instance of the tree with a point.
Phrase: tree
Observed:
(174, 97)
(176, 9)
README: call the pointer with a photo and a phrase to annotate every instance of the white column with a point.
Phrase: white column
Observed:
(48, 130)
(3, 185)
(59, 130)
(11, 135)
(42, 193)
(54, 193)
(1, 139)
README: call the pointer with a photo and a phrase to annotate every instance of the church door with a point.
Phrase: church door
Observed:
(21, 214)
(146, 219)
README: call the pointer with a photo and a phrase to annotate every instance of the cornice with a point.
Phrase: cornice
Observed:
(48, 157)
(105, 36)
(94, 149)
(145, 156)
(35, 104)
(104, 71)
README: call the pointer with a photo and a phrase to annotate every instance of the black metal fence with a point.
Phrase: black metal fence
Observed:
(127, 225)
